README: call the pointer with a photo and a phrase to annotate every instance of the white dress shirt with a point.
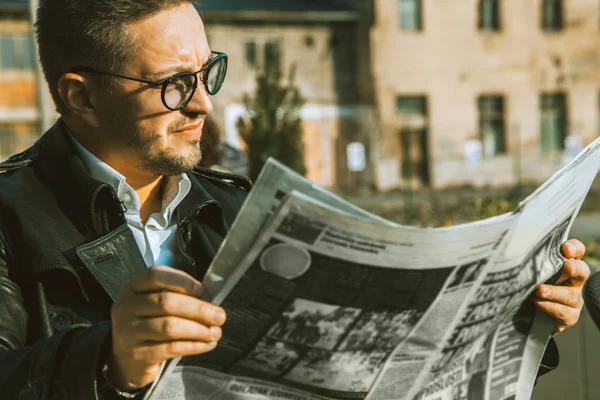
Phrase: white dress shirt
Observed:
(157, 239)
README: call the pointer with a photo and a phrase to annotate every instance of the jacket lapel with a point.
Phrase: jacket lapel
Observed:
(71, 181)
(113, 260)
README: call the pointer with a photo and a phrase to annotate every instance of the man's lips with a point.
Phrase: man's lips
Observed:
(190, 130)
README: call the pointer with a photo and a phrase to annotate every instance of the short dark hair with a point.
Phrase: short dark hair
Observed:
(88, 33)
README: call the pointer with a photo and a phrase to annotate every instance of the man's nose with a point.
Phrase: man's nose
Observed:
(200, 102)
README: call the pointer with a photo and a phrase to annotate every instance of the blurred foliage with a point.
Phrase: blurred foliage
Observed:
(273, 127)
(495, 205)
(592, 254)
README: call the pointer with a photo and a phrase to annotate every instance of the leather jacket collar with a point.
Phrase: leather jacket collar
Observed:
(89, 197)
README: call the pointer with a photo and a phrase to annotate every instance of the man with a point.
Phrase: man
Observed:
(106, 226)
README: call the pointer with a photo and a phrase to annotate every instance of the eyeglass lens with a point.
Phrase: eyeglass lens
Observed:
(215, 76)
(179, 90)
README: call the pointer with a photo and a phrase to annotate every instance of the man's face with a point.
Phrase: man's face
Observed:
(133, 118)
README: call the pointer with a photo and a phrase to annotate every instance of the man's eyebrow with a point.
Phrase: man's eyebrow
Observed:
(155, 76)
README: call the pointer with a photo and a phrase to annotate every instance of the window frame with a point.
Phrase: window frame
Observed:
(250, 47)
(558, 111)
(495, 25)
(420, 108)
(417, 22)
(22, 51)
(547, 22)
(489, 114)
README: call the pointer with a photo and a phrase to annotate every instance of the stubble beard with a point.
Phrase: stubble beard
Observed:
(145, 145)
(166, 161)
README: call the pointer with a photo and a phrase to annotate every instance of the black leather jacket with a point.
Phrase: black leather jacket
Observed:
(65, 251)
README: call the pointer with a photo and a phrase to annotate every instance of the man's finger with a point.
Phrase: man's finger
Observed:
(163, 304)
(166, 329)
(573, 249)
(154, 353)
(574, 273)
(563, 316)
(166, 278)
(568, 296)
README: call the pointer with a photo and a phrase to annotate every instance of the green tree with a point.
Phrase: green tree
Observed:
(273, 127)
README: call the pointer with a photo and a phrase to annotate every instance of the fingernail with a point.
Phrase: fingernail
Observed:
(211, 346)
(219, 316)
(198, 291)
(215, 333)
(545, 291)
(571, 248)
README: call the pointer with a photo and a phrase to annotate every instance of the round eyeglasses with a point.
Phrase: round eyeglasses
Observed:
(178, 90)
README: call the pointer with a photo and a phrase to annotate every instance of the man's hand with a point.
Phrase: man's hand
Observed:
(563, 301)
(158, 316)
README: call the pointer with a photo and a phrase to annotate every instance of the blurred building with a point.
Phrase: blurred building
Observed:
(326, 40)
(18, 107)
(439, 93)
(483, 91)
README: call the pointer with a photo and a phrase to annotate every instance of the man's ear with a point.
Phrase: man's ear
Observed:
(75, 91)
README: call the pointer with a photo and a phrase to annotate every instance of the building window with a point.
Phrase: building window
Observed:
(552, 15)
(250, 48)
(411, 105)
(489, 15)
(16, 51)
(553, 121)
(410, 15)
(491, 125)
(413, 138)
(309, 41)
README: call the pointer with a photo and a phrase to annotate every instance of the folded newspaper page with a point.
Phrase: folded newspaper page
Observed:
(326, 301)
(275, 182)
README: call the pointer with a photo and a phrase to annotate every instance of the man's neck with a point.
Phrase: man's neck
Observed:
(151, 198)
(147, 186)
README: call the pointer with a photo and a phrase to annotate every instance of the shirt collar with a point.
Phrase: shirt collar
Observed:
(99, 169)
(175, 190)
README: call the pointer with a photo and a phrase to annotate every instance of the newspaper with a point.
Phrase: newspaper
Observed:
(326, 301)
(275, 182)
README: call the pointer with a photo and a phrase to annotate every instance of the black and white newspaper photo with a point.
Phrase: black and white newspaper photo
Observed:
(275, 182)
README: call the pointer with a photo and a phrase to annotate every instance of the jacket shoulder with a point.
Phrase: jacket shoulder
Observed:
(224, 178)
(20, 160)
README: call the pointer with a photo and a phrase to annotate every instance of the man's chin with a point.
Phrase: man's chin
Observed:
(170, 165)
(187, 148)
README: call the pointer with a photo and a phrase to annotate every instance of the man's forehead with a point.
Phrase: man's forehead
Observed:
(174, 36)
(176, 27)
